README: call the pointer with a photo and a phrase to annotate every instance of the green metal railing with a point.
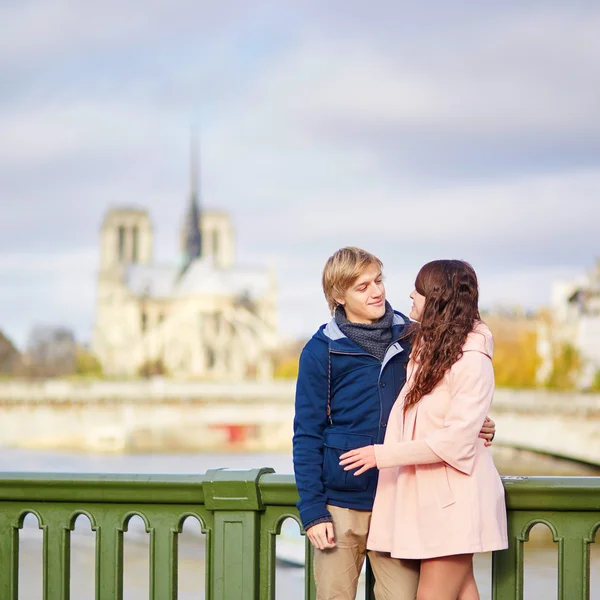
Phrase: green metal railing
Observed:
(241, 513)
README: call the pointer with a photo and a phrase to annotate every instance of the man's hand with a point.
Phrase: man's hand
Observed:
(488, 431)
(361, 457)
(321, 536)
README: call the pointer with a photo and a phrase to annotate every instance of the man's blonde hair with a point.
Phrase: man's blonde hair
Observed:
(342, 269)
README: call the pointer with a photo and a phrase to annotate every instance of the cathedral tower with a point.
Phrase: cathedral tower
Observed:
(205, 233)
(192, 237)
(126, 238)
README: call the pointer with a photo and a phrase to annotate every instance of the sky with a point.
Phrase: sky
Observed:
(415, 130)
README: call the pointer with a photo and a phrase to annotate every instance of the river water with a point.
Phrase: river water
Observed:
(540, 555)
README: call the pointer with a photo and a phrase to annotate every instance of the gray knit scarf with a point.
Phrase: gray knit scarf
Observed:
(374, 338)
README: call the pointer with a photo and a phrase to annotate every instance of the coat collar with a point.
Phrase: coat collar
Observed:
(339, 342)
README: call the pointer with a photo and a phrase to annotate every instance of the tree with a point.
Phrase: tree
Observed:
(596, 383)
(516, 360)
(286, 359)
(566, 368)
(87, 364)
(287, 369)
(10, 358)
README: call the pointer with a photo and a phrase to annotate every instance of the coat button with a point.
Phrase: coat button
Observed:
(383, 424)
(382, 383)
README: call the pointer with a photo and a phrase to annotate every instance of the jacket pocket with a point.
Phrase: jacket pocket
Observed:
(438, 474)
(334, 476)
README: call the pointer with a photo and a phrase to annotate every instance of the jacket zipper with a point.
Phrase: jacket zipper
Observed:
(378, 379)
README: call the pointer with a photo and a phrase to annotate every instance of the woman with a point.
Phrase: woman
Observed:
(439, 497)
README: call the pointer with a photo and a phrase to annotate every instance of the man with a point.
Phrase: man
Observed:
(351, 372)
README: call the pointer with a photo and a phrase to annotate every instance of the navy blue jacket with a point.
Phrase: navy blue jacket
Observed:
(361, 391)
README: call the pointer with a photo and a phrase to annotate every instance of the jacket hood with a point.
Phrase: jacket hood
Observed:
(332, 332)
(480, 340)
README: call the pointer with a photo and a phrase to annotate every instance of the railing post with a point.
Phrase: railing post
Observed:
(234, 542)
(163, 560)
(9, 558)
(369, 581)
(507, 572)
(109, 558)
(573, 556)
(56, 561)
(310, 589)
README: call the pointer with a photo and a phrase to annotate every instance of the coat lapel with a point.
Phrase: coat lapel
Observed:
(410, 422)
(409, 419)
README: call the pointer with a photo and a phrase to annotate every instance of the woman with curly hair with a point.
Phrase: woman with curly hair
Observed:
(439, 496)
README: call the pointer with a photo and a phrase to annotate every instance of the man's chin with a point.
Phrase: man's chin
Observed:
(378, 312)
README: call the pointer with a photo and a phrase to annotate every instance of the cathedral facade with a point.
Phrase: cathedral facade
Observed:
(207, 318)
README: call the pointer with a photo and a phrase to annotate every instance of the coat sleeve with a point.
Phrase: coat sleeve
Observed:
(416, 452)
(310, 421)
(471, 389)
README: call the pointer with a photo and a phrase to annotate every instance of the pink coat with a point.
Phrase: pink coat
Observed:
(439, 493)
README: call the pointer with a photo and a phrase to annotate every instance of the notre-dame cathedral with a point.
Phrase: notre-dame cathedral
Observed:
(206, 318)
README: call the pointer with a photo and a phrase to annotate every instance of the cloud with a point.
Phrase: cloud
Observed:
(538, 219)
(473, 134)
(55, 288)
(36, 31)
(504, 94)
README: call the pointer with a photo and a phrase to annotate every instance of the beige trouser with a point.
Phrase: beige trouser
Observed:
(337, 570)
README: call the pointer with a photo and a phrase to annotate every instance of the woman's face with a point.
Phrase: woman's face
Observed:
(418, 304)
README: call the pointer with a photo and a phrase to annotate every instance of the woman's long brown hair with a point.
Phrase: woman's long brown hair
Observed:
(450, 313)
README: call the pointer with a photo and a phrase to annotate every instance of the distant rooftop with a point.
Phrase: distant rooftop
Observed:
(202, 277)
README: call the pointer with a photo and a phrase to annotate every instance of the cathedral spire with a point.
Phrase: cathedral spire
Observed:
(192, 234)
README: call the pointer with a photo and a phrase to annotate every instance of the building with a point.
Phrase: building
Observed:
(205, 318)
(573, 320)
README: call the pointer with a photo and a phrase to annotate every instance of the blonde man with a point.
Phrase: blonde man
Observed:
(351, 372)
